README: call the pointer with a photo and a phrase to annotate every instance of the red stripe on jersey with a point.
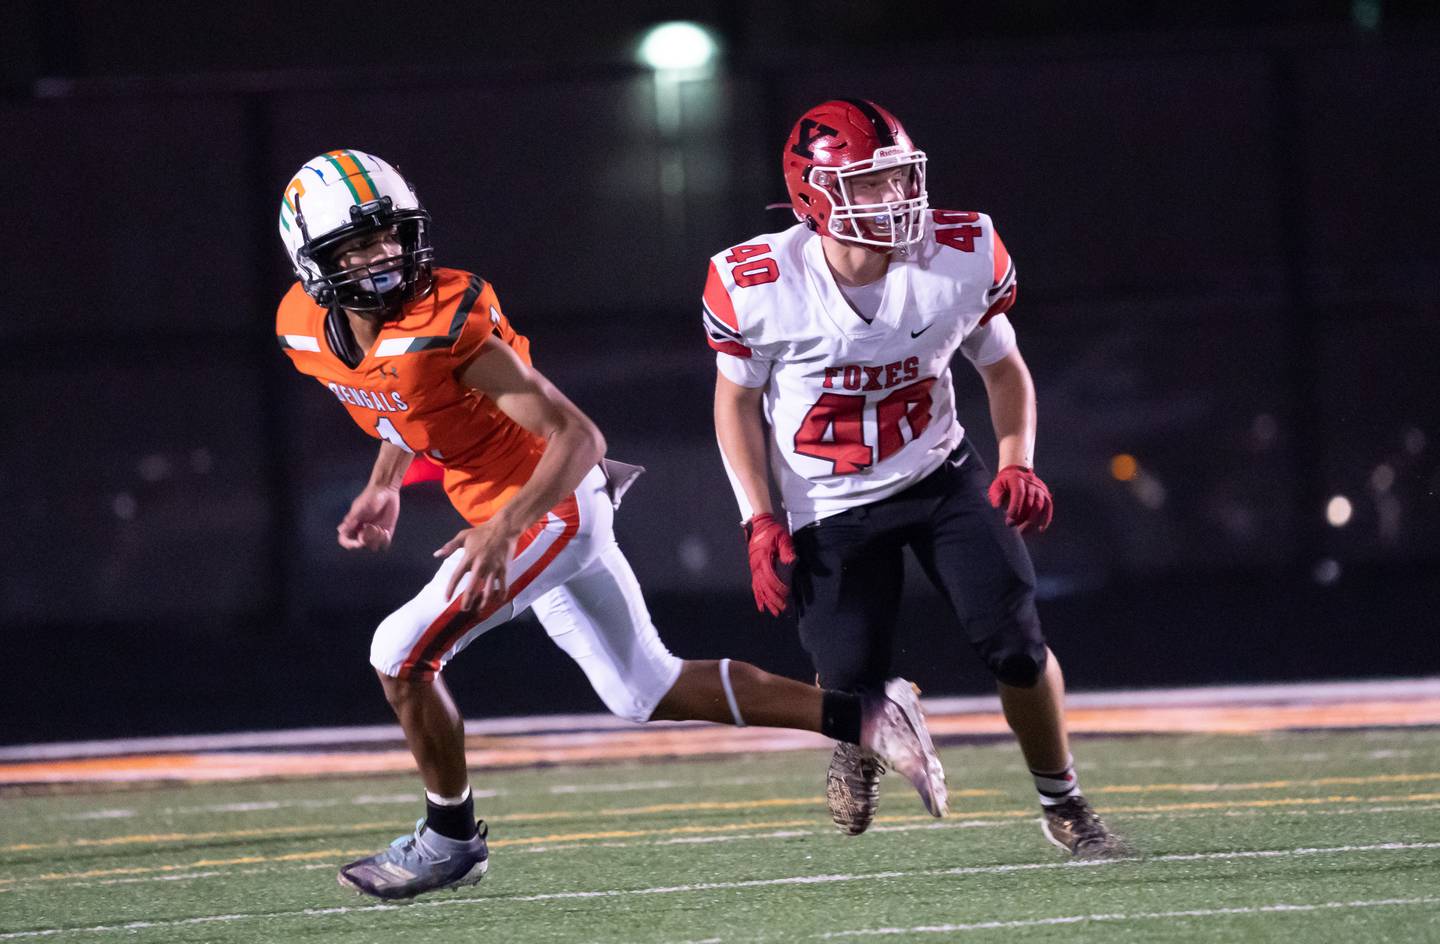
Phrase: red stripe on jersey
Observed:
(450, 627)
(729, 347)
(719, 300)
(1002, 258)
(1002, 305)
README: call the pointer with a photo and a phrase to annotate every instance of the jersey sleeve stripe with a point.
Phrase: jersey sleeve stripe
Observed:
(1001, 305)
(1001, 257)
(717, 300)
(716, 326)
(728, 347)
(467, 302)
(390, 347)
(1003, 283)
(298, 342)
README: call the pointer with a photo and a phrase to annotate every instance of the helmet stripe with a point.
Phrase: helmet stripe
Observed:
(365, 175)
(362, 188)
(882, 127)
(344, 177)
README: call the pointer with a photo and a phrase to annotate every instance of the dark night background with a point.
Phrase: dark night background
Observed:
(1224, 221)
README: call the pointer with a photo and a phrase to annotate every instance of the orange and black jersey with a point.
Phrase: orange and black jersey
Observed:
(406, 389)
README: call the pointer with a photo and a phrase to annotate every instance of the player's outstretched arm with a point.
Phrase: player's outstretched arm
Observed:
(1011, 392)
(740, 430)
(370, 522)
(573, 446)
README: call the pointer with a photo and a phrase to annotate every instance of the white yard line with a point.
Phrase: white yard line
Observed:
(797, 880)
(265, 806)
(400, 799)
(791, 833)
(1283, 908)
(582, 789)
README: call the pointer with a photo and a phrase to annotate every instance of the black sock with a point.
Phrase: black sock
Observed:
(840, 716)
(452, 822)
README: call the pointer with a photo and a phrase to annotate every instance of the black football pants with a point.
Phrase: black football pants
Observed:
(848, 578)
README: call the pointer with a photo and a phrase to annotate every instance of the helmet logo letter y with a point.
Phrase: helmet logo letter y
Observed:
(810, 132)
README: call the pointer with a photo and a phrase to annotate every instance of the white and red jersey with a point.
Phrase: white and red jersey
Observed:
(858, 411)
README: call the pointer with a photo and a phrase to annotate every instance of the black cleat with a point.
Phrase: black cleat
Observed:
(852, 787)
(1073, 826)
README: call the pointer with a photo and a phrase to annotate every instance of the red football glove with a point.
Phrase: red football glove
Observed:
(769, 541)
(1026, 499)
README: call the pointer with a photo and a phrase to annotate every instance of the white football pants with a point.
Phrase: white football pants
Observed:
(570, 571)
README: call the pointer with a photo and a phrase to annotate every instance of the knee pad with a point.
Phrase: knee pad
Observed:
(1020, 669)
(388, 646)
(632, 706)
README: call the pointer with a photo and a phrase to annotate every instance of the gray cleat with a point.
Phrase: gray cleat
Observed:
(424, 861)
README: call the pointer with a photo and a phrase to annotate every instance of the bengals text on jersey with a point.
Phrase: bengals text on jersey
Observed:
(406, 389)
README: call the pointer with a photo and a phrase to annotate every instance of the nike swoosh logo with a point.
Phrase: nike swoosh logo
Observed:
(916, 334)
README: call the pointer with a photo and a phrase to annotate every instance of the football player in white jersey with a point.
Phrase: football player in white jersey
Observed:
(833, 344)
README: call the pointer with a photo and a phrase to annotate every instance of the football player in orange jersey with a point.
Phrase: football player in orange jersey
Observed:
(423, 359)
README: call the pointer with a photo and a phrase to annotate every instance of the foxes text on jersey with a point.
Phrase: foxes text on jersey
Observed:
(858, 410)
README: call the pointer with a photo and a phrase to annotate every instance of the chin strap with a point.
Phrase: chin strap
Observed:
(341, 339)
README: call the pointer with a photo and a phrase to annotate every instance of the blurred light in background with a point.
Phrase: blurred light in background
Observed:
(1326, 571)
(678, 46)
(680, 54)
(1338, 511)
(693, 554)
(1367, 14)
(125, 506)
(1382, 479)
(1149, 492)
(1124, 467)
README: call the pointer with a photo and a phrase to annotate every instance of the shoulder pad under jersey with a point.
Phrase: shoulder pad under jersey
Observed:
(752, 289)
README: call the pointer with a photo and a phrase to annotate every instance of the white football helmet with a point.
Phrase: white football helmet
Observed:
(347, 193)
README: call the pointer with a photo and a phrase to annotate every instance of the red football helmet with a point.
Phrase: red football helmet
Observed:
(831, 145)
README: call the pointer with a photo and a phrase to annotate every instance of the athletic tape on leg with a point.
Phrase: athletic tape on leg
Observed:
(730, 693)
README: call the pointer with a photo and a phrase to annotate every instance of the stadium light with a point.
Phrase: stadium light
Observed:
(1123, 466)
(678, 46)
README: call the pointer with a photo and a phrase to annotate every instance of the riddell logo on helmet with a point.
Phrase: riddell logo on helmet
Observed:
(810, 132)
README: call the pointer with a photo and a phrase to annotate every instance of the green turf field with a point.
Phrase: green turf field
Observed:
(1293, 837)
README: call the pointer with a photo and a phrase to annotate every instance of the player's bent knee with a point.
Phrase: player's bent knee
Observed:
(635, 699)
(389, 647)
(632, 706)
(1018, 669)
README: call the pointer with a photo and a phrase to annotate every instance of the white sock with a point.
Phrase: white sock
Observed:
(438, 800)
(1056, 788)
